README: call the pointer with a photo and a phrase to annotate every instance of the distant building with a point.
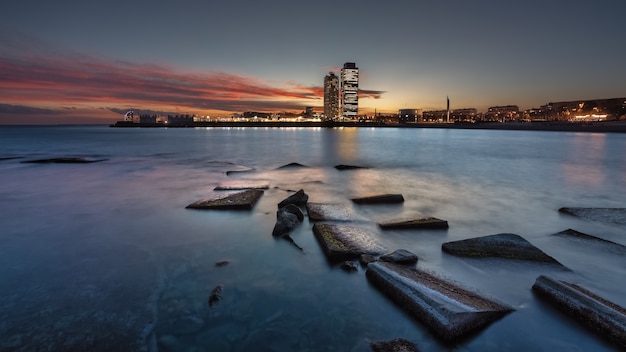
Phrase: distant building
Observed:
(309, 111)
(463, 115)
(502, 113)
(409, 115)
(584, 110)
(148, 119)
(349, 90)
(434, 115)
(180, 120)
(331, 96)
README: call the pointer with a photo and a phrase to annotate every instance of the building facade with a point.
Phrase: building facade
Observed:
(331, 96)
(409, 115)
(349, 90)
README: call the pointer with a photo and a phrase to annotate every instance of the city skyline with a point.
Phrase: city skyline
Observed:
(71, 62)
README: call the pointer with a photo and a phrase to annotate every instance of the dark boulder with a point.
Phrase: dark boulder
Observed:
(342, 167)
(299, 198)
(420, 223)
(291, 166)
(596, 313)
(380, 199)
(287, 218)
(400, 256)
(70, 160)
(349, 266)
(504, 245)
(397, 345)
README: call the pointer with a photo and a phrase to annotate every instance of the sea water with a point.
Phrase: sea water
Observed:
(105, 257)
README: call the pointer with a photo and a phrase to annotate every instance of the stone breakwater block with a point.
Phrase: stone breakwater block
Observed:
(397, 345)
(64, 161)
(291, 166)
(448, 310)
(380, 199)
(421, 223)
(604, 215)
(400, 256)
(239, 185)
(342, 167)
(609, 245)
(241, 200)
(329, 212)
(504, 245)
(598, 314)
(299, 198)
(340, 242)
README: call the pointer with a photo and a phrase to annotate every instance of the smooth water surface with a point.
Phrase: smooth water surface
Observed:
(105, 257)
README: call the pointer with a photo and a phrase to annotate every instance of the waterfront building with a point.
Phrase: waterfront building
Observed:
(349, 90)
(409, 115)
(464, 115)
(502, 113)
(331, 96)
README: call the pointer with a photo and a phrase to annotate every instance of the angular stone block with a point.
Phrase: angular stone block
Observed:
(236, 201)
(329, 212)
(448, 310)
(299, 198)
(608, 245)
(504, 245)
(239, 185)
(380, 199)
(604, 215)
(400, 256)
(596, 313)
(340, 242)
(421, 223)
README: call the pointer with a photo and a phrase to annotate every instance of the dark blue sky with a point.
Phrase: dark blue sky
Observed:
(410, 53)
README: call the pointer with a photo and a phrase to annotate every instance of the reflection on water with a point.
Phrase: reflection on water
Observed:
(105, 255)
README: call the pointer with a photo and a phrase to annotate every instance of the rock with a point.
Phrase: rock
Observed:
(380, 199)
(291, 166)
(348, 167)
(222, 263)
(365, 259)
(349, 266)
(329, 212)
(504, 245)
(236, 201)
(216, 295)
(64, 161)
(287, 218)
(400, 256)
(299, 198)
(421, 223)
(604, 317)
(609, 245)
(448, 310)
(240, 185)
(345, 242)
(397, 345)
(604, 215)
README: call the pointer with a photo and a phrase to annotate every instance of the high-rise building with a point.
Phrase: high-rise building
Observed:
(331, 96)
(349, 90)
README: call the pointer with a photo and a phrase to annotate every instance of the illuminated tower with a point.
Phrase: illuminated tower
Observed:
(331, 96)
(349, 90)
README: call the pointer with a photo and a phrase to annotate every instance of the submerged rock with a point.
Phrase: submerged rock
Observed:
(504, 245)
(222, 263)
(349, 167)
(604, 215)
(340, 242)
(236, 201)
(595, 312)
(400, 256)
(299, 198)
(349, 266)
(216, 295)
(240, 185)
(421, 223)
(380, 199)
(287, 218)
(365, 259)
(397, 345)
(291, 165)
(609, 245)
(448, 310)
(64, 161)
(329, 212)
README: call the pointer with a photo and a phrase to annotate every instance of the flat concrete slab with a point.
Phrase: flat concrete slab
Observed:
(234, 201)
(504, 245)
(330, 212)
(341, 242)
(242, 184)
(596, 313)
(380, 199)
(604, 215)
(420, 223)
(447, 309)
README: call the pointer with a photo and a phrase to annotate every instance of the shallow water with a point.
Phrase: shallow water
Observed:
(105, 256)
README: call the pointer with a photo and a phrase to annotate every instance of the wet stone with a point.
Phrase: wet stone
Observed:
(241, 185)
(236, 201)
(287, 218)
(291, 166)
(329, 212)
(380, 199)
(349, 266)
(397, 345)
(299, 198)
(400, 256)
(447, 309)
(365, 259)
(603, 215)
(504, 245)
(420, 223)
(342, 167)
(71, 160)
(577, 235)
(340, 242)
(596, 313)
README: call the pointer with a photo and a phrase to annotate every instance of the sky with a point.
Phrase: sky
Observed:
(88, 61)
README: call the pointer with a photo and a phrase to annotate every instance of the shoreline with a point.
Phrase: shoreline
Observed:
(597, 127)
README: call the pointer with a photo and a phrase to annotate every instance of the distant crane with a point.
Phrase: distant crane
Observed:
(129, 116)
